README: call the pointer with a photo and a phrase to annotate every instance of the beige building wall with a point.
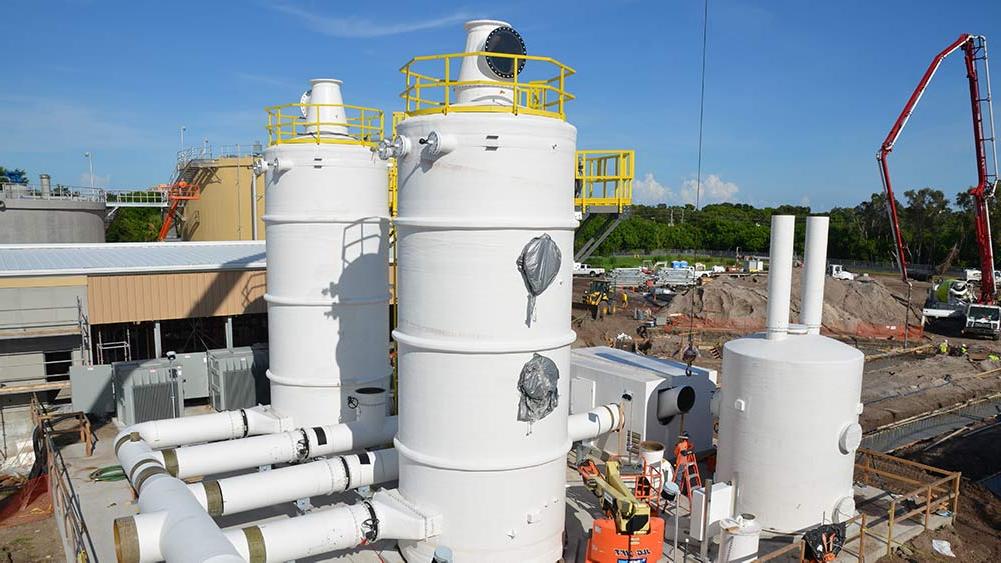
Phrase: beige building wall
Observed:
(225, 210)
(148, 297)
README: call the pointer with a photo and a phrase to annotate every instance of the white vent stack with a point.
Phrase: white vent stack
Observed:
(780, 276)
(478, 69)
(45, 185)
(328, 288)
(789, 407)
(326, 107)
(814, 273)
(466, 217)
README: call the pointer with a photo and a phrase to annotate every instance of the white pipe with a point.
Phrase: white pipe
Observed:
(253, 203)
(814, 274)
(257, 490)
(780, 276)
(594, 423)
(373, 404)
(322, 531)
(206, 427)
(187, 532)
(286, 447)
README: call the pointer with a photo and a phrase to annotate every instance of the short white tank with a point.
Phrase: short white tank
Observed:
(788, 428)
(327, 251)
(789, 405)
(474, 190)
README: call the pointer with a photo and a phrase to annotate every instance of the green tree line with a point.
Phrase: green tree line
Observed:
(933, 227)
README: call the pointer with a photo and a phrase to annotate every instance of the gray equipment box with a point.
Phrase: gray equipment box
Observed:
(196, 375)
(655, 387)
(147, 390)
(91, 389)
(237, 377)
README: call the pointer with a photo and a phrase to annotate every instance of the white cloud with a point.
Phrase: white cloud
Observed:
(649, 191)
(362, 27)
(713, 190)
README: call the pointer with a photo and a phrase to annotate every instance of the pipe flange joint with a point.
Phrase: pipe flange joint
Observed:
(397, 147)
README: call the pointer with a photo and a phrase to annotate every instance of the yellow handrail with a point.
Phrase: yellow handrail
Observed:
(362, 125)
(604, 178)
(425, 93)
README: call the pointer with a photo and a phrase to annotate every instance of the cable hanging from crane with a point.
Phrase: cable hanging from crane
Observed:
(691, 353)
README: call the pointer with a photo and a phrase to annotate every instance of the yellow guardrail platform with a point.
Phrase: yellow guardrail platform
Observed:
(286, 125)
(604, 180)
(431, 88)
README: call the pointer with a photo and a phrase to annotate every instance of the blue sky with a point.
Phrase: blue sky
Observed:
(799, 94)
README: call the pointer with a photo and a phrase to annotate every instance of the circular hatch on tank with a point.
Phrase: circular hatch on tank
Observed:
(508, 41)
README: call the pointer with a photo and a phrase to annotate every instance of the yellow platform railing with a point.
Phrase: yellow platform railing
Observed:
(604, 178)
(430, 86)
(286, 125)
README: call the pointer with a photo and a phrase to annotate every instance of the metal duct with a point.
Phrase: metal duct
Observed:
(674, 401)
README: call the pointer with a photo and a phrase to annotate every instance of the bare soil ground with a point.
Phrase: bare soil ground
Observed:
(866, 301)
(901, 387)
(37, 541)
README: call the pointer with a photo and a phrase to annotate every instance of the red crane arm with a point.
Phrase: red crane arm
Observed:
(983, 189)
(974, 48)
(891, 139)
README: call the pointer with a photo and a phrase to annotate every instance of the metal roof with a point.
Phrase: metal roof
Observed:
(117, 258)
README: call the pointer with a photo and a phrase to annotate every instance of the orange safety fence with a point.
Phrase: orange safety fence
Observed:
(857, 329)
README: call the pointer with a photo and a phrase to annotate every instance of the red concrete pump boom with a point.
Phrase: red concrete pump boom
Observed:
(975, 49)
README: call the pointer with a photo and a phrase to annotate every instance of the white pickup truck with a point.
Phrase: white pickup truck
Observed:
(582, 269)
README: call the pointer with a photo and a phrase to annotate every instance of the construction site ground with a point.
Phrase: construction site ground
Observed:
(899, 383)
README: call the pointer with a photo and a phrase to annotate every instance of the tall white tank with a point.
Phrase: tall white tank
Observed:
(788, 418)
(475, 189)
(327, 252)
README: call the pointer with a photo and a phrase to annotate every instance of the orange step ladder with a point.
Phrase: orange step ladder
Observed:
(687, 467)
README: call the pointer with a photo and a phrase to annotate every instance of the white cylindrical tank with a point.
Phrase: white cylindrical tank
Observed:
(472, 195)
(328, 277)
(788, 427)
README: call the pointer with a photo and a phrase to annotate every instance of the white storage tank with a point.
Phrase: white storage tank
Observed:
(327, 251)
(789, 407)
(485, 193)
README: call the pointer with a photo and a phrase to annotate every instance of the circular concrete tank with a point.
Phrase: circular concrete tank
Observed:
(27, 221)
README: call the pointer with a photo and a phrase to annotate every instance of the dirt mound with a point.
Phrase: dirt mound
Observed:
(847, 304)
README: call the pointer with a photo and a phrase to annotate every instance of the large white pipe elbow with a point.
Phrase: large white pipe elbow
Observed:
(286, 447)
(187, 532)
(780, 276)
(814, 274)
(233, 495)
(595, 422)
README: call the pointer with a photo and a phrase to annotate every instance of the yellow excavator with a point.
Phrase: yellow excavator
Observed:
(600, 299)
